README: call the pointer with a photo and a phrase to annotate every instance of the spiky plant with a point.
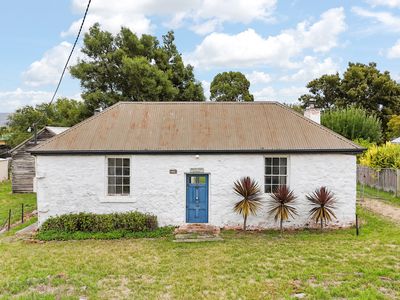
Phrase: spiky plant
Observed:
(323, 202)
(281, 205)
(250, 203)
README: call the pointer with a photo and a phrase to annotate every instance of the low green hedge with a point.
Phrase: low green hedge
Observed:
(87, 222)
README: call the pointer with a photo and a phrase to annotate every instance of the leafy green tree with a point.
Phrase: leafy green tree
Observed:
(125, 67)
(63, 112)
(361, 85)
(353, 123)
(394, 127)
(230, 86)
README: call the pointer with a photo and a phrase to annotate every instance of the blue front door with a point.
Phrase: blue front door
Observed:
(197, 198)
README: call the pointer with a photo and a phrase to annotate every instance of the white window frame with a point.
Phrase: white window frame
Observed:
(108, 195)
(287, 169)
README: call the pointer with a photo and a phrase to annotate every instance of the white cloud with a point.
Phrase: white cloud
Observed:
(203, 16)
(206, 88)
(390, 3)
(256, 77)
(386, 19)
(248, 48)
(394, 52)
(286, 95)
(311, 68)
(48, 69)
(11, 100)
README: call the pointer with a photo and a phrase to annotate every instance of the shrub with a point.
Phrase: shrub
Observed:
(384, 156)
(323, 205)
(353, 123)
(88, 222)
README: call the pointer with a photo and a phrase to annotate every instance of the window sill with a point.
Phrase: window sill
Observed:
(117, 199)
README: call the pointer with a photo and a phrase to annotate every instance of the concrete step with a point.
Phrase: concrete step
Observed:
(197, 233)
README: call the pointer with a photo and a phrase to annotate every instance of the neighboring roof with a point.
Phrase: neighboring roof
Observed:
(56, 130)
(396, 141)
(53, 130)
(214, 127)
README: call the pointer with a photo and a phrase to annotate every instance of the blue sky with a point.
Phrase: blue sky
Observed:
(279, 45)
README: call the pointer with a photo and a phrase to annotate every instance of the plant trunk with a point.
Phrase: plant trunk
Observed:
(244, 223)
(281, 227)
(322, 224)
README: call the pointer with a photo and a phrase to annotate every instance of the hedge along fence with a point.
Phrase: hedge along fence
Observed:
(387, 180)
(88, 222)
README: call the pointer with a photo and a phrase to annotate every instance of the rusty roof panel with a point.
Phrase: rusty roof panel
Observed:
(196, 126)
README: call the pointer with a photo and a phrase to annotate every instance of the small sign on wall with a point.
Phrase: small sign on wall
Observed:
(173, 171)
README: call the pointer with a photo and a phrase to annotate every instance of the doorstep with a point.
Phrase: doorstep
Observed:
(197, 232)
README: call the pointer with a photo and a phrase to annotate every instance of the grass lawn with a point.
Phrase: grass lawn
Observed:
(334, 264)
(370, 192)
(8, 200)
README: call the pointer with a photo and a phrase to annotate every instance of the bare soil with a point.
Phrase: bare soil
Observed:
(377, 206)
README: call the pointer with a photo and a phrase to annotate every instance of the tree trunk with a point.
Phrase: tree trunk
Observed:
(322, 224)
(244, 223)
(281, 227)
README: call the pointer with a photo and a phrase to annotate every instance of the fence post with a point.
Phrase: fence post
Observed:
(22, 213)
(398, 182)
(9, 220)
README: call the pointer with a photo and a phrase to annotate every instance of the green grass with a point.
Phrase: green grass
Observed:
(53, 235)
(333, 264)
(8, 200)
(370, 192)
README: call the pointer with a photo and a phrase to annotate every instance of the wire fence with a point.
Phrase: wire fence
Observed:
(8, 222)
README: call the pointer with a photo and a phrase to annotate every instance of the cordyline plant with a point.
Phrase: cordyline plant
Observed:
(281, 205)
(323, 202)
(251, 201)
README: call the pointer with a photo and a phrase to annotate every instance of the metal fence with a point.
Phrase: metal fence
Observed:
(386, 179)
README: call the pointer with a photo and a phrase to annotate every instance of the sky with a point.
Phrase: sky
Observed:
(279, 45)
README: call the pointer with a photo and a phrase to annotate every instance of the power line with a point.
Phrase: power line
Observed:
(70, 54)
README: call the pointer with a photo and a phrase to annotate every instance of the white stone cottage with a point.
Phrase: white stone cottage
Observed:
(179, 161)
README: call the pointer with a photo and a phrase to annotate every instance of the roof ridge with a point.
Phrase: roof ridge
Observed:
(319, 125)
(199, 102)
(76, 126)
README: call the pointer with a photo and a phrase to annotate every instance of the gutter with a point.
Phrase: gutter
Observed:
(352, 151)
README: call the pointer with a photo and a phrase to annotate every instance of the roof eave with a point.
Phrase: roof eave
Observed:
(202, 151)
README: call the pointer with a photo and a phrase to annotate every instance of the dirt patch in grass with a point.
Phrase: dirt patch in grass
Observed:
(384, 209)
(114, 287)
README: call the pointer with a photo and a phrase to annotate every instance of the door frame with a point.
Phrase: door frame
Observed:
(208, 195)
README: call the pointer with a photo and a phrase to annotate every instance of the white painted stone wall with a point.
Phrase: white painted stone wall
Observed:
(71, 184)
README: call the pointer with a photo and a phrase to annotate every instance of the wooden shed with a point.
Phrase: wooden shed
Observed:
(23, 163)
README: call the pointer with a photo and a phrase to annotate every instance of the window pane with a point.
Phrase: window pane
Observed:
(111, 180)
(268, 161)
(274, 188)
(118, 171)
(268, 188)
(111, 171)
(275, 161)
(268, 170)
(118, 189)
(126, 180)
(118, 162)
(111, 162)
(283, 161)
(126, 190)
(126, 171)
(275, 170)
(202, 179)
(275, 180)
(282, 180)
(268, 179)
(282, 170)
(111, 189)
(118, 180)
(192, 179)
(126, 162)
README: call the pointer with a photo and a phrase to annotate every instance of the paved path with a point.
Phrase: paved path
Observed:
(380, 207)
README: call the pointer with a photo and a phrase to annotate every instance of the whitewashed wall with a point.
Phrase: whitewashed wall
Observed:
(70, 184)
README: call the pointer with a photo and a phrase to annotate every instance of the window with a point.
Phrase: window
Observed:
(118, 176)
(275, 173)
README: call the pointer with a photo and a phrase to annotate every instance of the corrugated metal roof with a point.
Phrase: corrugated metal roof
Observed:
(396, 141)
(197, 126)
